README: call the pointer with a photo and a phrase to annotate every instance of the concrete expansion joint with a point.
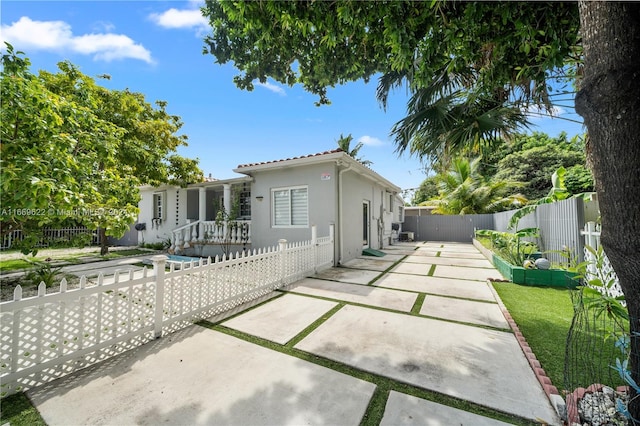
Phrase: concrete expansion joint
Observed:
(556, 400)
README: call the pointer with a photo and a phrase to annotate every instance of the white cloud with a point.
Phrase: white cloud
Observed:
(370, 141)
(538, 113)
(26, 34)
(272, 87)
(174, 18)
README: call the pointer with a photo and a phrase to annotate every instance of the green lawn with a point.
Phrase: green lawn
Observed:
(17, 410)
(14, 265)
(544, 315)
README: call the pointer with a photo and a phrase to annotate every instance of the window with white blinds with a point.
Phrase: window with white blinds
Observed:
(290, 206)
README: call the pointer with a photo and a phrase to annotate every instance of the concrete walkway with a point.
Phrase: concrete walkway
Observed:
(320, 353)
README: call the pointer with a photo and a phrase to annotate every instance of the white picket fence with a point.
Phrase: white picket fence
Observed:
(51, 335)
(605, 272)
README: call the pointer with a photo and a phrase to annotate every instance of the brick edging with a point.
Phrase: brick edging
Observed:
(549, 389)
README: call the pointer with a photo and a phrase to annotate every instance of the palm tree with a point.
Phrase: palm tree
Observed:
(344, 143)
(452, 113)
(462, 190)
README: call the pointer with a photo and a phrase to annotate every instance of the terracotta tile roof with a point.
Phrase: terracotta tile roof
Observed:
(293, 158)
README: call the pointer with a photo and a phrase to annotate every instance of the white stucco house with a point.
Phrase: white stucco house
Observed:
(276, 200)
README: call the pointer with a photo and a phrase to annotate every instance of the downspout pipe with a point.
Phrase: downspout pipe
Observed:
(340, 209)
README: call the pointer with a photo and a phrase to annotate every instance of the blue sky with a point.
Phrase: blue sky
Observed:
(155, 47)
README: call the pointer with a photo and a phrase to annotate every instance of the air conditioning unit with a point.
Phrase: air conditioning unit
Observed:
(407, 236)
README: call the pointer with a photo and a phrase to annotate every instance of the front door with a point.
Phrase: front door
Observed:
(365, 224)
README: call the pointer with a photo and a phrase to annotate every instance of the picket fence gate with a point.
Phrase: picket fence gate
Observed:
(51, 335)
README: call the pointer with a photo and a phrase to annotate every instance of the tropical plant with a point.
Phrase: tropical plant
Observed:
(599, 299)
(44, 272)
(511, 246)
(462, 190)
(344, 143)
(558, 192)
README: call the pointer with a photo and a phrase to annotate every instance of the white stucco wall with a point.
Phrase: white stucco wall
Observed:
(320, 180)
(175, 212)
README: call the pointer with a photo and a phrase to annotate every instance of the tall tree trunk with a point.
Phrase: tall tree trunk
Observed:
(104, 242)
(609, 101)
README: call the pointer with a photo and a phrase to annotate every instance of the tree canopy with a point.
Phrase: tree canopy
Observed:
(490, 59)
(76, 152)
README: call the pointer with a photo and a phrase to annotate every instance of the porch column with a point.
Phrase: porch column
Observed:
(202, 211)
(226, 201)
(226, 196)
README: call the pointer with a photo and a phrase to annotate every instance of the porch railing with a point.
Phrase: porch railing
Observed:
(211, 232)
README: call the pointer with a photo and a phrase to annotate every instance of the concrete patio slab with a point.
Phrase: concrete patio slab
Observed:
(481, 313)
(462, 255)
(397, 250)
(476, 274)
(402, 409)
(346, 275)
(453, 247)
(480, 365)
(450, 261)
(420, 258)
(412, 268)
(437, 285)
(367, 295)
(202, 377)
(387, 257)
(281, 319)
(425, 252)
(371, 264)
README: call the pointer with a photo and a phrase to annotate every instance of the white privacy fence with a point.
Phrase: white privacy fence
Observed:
(599, 268)
(51, 335)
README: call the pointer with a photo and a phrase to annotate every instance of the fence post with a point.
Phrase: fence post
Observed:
(314, 246)
(159, 263)
(592, 240)
(282, 245)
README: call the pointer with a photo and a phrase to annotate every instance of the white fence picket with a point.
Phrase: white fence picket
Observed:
(51, 335)
(606, 273)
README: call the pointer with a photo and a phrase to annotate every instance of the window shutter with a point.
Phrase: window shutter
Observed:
(281, 208)
(299, 206)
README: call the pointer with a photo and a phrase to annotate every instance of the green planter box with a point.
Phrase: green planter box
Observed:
(535, 277)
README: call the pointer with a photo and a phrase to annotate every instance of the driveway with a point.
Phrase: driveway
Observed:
(421, 341)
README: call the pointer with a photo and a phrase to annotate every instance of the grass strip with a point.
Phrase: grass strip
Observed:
(17, 410)
(393, 265)
(418, 304)
(432, 270)
(375, 410)
(317, 323)
(385, 383)
(437, 254)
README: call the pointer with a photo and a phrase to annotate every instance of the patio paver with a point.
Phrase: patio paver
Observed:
(347, 275)
(371, 264)
(202, 377)
(281, 319)
(367, 295)
(437, 285)
(404, 409)
(450, 261)
(479, 274)
(481, 313)
(453, 359)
